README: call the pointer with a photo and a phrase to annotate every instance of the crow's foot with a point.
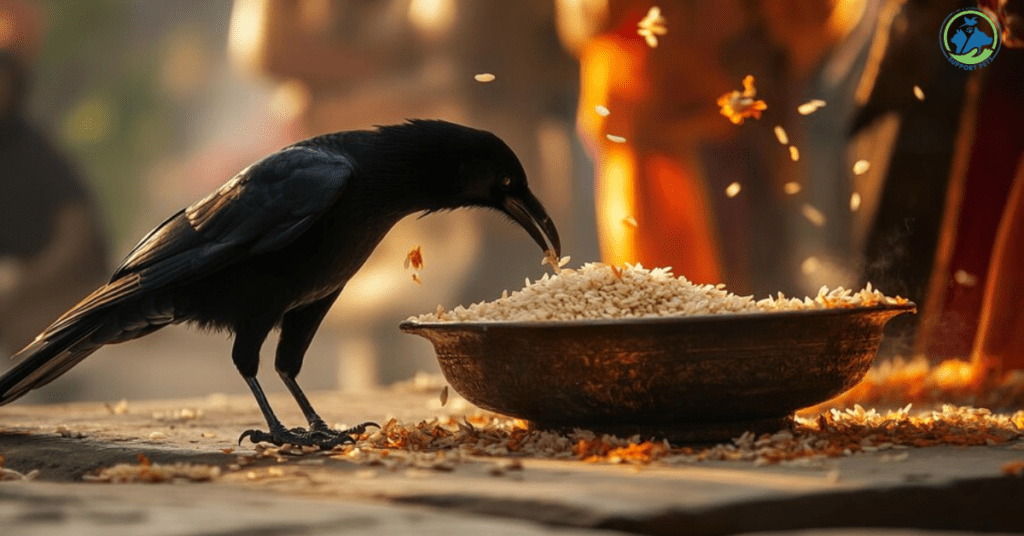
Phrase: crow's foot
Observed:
(318, 435)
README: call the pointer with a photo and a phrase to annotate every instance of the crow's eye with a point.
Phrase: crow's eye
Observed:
(506, 183)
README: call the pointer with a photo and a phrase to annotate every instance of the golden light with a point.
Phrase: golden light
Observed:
(290, 100)
(247, 32)
(432, 18)
(617, 201)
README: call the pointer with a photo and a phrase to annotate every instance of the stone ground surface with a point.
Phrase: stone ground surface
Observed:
(937, 488)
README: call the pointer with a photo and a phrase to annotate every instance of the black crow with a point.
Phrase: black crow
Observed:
(274, 246)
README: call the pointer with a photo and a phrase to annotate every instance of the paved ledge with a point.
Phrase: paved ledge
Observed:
(934, 488)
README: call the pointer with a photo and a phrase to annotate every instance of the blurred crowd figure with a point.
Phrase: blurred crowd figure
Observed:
(661, 193)
(937, 217)
(52, 245)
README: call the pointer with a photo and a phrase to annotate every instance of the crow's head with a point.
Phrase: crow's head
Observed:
(474, 168)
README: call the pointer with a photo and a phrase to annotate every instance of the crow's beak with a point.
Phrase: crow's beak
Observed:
(528, 212)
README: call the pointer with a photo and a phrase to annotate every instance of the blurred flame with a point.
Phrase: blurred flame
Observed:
(616, 201)
(610, 70)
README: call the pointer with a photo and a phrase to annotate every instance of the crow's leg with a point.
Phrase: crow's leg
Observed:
(246, 355)
(297, 329)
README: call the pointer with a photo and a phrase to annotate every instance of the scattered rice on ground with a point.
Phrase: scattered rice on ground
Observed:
(148, 472)
(7, 475)
(440, 443)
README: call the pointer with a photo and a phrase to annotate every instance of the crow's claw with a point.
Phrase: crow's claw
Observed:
(360, 428)
(325, 438)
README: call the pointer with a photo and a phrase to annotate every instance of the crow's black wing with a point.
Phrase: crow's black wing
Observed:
(262, 209)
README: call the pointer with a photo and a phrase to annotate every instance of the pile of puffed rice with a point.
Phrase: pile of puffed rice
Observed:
(596, 291)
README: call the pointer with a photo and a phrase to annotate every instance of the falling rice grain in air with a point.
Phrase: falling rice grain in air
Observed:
(813, 215)
(630, 221)
(861, 167)
(965, 278)
(810, 107)
(791, 188)
(794, 153)
(444, 396)
(919, 93)
(416, 279)
(854, 201)
(602, 110)
(414, 258)
(651, 26)
(616, 139)
(739, 105)
(733, 189)
(780, 134)
(485, 77)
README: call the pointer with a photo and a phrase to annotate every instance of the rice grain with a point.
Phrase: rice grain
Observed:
(780, 134)
(810, 107)
(813, 215)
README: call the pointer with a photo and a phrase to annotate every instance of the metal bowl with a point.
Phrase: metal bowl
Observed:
(698, 378)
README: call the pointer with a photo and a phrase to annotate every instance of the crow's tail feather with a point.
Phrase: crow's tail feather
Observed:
(49, 356)
(113, 313)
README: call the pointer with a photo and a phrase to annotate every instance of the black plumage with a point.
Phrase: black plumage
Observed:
(274, 246)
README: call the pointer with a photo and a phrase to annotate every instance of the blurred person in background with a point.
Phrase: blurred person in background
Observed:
(936, 218)
(52, 245)
(947, 228)
(666, 158)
